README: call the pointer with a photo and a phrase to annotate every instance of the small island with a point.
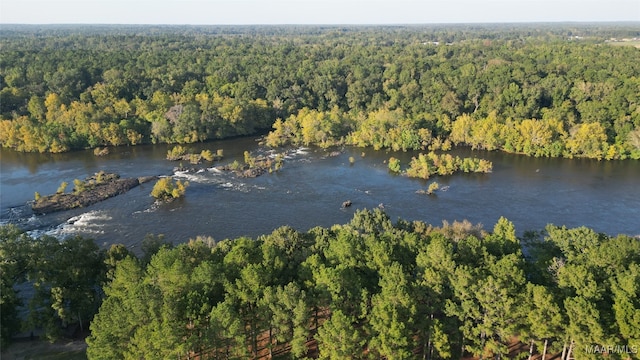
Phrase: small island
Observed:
(254, 166)
(166, 190)
(179, 153)
(93, 189)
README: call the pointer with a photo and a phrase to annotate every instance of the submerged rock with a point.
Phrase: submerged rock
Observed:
(252, 172)
(144, 179)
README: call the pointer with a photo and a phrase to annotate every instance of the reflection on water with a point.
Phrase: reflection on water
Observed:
(310, 189)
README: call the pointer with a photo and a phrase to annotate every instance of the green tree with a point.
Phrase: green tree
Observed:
(14, 263)
(66, 277)
(248, 290)
(584, 326)
(338, 338)
(289, 318)
(461, 130)
(487, 304)
(486, 133)
(435, 264)
(392, 315)
(116, 321)
(151, 244)
(228, 338)
(545, 319)
(626, 305)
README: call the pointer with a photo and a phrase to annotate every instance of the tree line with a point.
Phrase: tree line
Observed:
(541, 91)
(370, 288)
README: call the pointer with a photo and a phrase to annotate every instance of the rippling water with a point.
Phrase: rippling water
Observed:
(310, 189)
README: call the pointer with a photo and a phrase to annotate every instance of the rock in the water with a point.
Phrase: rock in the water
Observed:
(145, 179)
(109, 185)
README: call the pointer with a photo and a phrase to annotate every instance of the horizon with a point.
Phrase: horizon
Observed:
(314, 12)
(480, 24)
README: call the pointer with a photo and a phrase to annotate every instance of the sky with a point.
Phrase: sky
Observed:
(241, 12)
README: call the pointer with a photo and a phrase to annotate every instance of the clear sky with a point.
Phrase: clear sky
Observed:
(313, 11)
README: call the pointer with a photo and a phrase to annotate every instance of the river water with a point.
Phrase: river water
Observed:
(310, 189)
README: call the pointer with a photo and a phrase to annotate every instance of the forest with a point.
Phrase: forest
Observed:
(537, 89)
(371, 288)
(374, 287)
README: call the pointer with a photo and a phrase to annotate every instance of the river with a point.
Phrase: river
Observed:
(309, 191)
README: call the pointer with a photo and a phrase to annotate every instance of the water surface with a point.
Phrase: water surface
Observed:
(310, 189)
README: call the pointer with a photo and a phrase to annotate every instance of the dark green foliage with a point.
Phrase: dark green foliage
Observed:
(151, 244)
(339, 338)
(14, 256)
(626, 303)
(367, 287)
(373, 287)
(112, 327)
(65, 277)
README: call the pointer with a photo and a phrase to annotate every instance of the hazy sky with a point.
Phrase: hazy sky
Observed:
(313, 11)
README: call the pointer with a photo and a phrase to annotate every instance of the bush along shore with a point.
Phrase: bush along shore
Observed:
(93, 189)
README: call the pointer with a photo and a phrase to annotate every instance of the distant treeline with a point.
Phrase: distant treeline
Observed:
(543, 90)
(367, 289)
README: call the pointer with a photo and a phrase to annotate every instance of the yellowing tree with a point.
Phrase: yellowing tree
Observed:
(113, 134)
(587, 140)
(536, 134)
(166, 189)
(8, 134)
(461, 129)
(52, 103)
(313, 126)
(485, 133)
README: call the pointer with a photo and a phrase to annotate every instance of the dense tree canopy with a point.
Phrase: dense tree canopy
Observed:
(368, 288)
(542, 91)
(375, 288)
